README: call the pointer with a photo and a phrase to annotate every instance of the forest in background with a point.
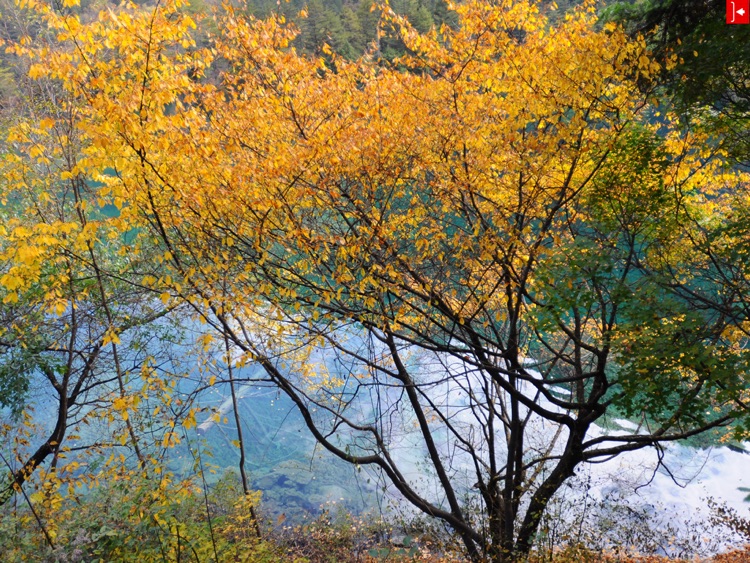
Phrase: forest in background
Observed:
(432, 229)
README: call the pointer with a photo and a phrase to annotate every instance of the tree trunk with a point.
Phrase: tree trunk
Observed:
(565, 469)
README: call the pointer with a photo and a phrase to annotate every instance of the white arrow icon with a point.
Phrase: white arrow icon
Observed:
(735, 12)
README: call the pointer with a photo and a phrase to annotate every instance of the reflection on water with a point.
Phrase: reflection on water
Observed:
(296, 477)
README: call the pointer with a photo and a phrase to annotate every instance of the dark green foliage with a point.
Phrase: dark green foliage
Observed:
(618, 268)
(351, 28)
(713, 60)
(323, 25)
(17, 366)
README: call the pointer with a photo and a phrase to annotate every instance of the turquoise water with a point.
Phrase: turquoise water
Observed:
(296, 477)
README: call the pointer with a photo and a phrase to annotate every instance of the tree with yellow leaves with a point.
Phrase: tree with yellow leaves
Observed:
(495, 240)
(76, 338)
